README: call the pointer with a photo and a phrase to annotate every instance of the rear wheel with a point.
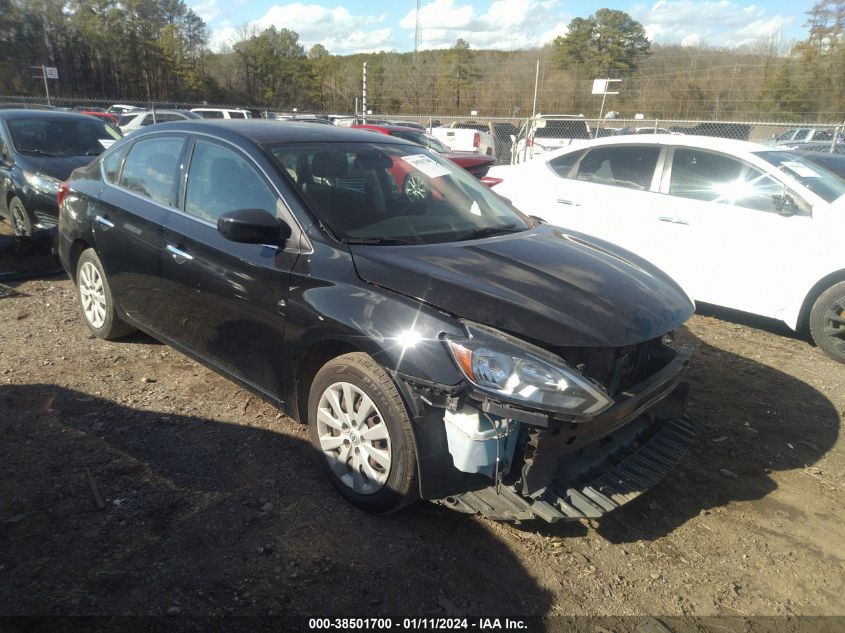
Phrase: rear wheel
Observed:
(21, 223)
(95, 296)
(360, 427)
(827, 322)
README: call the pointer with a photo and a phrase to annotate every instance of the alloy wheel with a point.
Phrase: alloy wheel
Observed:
(415, 188)
(354, 438)
(20, 221)
(834, 323)
(93, 294)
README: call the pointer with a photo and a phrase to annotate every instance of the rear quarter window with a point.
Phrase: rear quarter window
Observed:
(112, 163)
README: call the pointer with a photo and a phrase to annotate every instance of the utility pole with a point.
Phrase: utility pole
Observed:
(417, 34)
(364, 95)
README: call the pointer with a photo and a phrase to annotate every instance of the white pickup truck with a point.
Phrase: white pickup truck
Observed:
(548, 132)
(465, 140)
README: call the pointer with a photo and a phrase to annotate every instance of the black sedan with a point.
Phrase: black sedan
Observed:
(38, 150)
(444, 347)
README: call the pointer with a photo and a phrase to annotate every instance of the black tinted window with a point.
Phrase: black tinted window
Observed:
(631, 166)
(150, 168)
(562, 165)
(211, 114)
(112, 162)
(221, 180)
(236, 115)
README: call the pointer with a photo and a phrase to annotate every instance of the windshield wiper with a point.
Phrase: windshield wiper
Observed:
(37, 151)
(488, 231)
(375, 241)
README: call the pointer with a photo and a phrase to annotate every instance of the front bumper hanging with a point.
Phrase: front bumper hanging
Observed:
(637, 471)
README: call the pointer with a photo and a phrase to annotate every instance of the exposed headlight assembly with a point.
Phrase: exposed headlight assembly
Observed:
(516, 371)
(44, 184)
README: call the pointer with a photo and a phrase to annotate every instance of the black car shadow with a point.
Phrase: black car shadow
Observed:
(109, 509)
(752, 420)
(773, 326)
(27, 257)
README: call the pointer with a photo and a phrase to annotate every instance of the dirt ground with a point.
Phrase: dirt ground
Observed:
(213, 504)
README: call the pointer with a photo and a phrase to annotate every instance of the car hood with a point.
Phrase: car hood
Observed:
(558, 288)
(55, 166)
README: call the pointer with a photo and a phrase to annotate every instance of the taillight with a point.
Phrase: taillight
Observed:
(490, 181)
(530, 141)
(476, 140)
(64, 189)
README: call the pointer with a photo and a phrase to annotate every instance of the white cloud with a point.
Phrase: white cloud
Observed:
(336, 28)
(715, 22)
(506, 25)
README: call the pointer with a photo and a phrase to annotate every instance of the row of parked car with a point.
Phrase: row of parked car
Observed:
(498, 345)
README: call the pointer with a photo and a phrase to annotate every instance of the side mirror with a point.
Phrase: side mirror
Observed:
(785, 205)
(253, 226)
(513, 138)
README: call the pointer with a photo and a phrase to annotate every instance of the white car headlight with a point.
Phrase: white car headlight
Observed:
(42, 183)
(517, 371)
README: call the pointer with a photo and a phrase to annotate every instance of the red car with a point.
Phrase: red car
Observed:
(105, 116)
(475, 164)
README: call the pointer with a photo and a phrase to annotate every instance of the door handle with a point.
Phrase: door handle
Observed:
(105, 221)
(664, 218)
(570, 203)
(178, 254)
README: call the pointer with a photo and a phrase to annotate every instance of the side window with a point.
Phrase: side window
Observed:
(211, 114)
(112, 162)
(236, 115)
(4, 149)
(631, 166)
(221, 180)
(168, 116)
(150, 168)
(562, 165)
(710, 177)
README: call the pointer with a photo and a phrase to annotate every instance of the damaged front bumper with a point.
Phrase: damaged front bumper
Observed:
(556, 469)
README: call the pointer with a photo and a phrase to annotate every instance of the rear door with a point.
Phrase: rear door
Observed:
(227, 300)
(129, 218)
(606, 192)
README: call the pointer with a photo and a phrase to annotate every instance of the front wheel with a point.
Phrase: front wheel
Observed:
(415, 188)
(21, 223)
(827, 322)
(95, 296)
(360, 428)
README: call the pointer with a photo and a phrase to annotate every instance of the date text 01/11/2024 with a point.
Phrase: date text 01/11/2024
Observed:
(417, 624)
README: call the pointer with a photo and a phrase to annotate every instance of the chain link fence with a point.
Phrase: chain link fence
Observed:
(513, 135)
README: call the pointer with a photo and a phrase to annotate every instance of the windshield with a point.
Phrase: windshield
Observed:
(380, 193)
(61, 137)
(817, 179)
(421, 138)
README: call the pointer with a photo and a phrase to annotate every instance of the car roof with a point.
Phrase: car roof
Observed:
(715, 143)
(265, 131)
(387, 128)
(51, 115)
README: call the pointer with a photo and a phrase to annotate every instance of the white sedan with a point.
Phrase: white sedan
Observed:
(737, 224)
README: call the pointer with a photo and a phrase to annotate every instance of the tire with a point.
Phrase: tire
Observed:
(827, 322)
(21, 224)
(386, 478)
(415, 188)
(95, 298)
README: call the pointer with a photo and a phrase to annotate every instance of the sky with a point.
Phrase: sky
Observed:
(356, 26)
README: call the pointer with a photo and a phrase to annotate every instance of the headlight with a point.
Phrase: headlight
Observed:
(520, 372)
(44, 184)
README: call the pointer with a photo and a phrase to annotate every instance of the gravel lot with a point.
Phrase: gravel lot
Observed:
(212, 502)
